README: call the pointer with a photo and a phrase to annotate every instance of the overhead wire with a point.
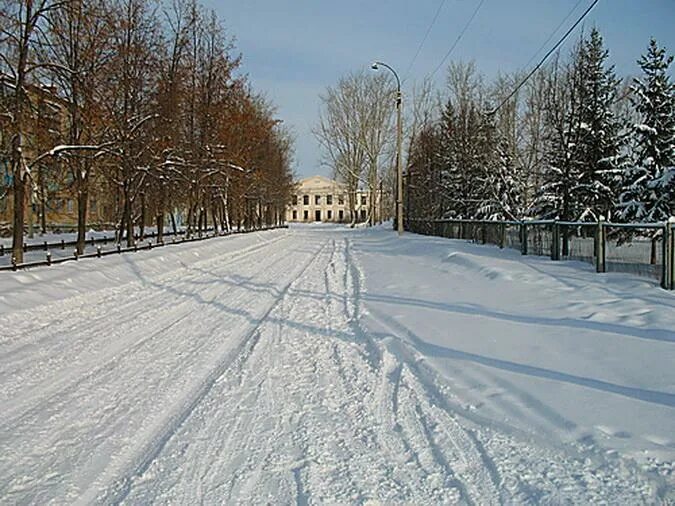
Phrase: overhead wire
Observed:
(545, 43)
(546, 56)
(459, 38)
(424, 39)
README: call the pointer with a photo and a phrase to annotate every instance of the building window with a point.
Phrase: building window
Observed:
(295, 215)
(295, 200)
(92, 205)
(341, 215)
(363, 200)
(305, 200)
(305, 215)
(317, 215)
(317, 200)
(341, 200)
(329, 200)
(329, 216)
(70, 205)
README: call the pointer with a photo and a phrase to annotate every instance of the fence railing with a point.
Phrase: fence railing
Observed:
(118, 249)
(644, 249)
(92, 241)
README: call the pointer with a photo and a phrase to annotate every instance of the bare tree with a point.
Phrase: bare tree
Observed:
(79, 46)
(130, 83)
(355, 131)
(20, 29)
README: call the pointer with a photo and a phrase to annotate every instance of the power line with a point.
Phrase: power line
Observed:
(569, 15)
(459, 37)
(543, 60)
(424, 39)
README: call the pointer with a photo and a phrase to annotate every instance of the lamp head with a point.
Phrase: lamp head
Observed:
(374, 66)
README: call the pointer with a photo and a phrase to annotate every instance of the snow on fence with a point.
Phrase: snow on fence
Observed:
(116, 246)
(645, 249)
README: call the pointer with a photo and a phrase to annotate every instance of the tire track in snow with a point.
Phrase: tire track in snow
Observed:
(476, 484)
(117, 492)
(49, 389)
(521, 467)
(247, 438)
(69, 310)
(121, 395)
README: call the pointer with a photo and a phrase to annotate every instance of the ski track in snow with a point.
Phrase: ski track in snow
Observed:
(252, 379)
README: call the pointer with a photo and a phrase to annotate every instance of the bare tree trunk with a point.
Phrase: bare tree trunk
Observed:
(43, 200)
(141, 234)
(128, 218)
(82, 197)
(173, 223)
(18, 221)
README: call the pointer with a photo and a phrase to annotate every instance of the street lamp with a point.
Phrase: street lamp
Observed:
(399, 133)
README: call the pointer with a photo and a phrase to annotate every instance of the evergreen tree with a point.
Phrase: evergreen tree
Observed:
(503, 188)
(649, 185)
(465, 149)
(602, 157)
(563, 156)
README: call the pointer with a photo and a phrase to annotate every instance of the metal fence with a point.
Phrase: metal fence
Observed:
(644, 249)
(116, 247)
(92, 241)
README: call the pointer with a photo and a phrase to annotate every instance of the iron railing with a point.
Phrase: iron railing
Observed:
(118, 249)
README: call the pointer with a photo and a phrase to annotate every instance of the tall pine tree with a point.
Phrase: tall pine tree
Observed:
(601, 157)
(563, 157)
(649, 184)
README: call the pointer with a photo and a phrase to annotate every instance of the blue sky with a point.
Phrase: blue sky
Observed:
(294, 49)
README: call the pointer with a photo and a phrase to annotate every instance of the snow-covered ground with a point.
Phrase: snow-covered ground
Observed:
(322, 365)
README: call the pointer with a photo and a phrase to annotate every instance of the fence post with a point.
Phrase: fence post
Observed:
(98, 251)
(483, 232)
(523, 238)
(2, 250)
(502, 235)
(555, 242)
(13, 263)
(600, 265)
(668, 275)
(49, 258)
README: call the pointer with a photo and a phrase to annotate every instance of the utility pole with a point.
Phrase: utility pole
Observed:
(399, 171)
(399, 140)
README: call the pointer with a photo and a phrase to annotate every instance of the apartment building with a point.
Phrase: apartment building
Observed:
(320, 199)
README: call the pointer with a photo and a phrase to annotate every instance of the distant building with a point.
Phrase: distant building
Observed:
(321, 199)
(51, 196)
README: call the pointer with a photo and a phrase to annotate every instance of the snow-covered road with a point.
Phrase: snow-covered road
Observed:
(323, 365)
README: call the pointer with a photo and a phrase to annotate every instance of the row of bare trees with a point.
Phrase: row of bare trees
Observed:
(155, 113)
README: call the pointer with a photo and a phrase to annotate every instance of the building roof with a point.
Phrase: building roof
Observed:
(318, 182)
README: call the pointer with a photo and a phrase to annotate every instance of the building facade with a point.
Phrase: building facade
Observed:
(320, 199)
(52, 198)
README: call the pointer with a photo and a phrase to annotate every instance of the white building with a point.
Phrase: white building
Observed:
(318, 198)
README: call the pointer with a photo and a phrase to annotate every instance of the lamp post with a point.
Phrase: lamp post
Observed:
(399, 134)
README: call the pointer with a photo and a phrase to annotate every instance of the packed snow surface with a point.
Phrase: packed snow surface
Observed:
(322, 364)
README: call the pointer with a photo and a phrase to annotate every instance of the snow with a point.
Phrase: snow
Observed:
(322, 364)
